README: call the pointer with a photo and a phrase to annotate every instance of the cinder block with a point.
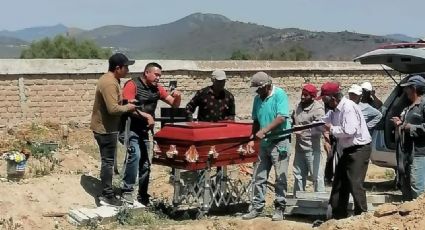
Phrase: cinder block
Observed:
(106, 213)
(79, 217)
(89, 213)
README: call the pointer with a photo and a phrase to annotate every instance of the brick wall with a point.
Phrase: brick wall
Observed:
(64, 94)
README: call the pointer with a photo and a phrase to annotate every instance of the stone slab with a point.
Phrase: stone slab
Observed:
(106, 214)
(371, 198)
(79, 217)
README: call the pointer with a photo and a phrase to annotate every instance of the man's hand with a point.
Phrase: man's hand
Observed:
(396, 121)
(328, 148)
(131, 107)
(150, 120)
(176, 94)
(327, 127)
(250, 144)
(260, 134)
(133, 101)
(407, 126)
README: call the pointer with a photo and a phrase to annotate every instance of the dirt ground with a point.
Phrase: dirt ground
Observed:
(72, 182)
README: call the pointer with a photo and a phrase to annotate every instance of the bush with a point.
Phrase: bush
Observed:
(294, 53)
(65, 48)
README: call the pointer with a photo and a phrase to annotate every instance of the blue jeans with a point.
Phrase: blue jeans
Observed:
(276, 155)
(417, 176)
(138, 164)
(306, 162)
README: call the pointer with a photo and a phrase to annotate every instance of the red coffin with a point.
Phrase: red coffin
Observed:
(194, 145)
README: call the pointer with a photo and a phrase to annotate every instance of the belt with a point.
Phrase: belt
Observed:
(356, 146)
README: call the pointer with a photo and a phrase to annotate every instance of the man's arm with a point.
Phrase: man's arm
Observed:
(255, 129)
(318, 114)
(416, 130)
(231, 112)
(173, 100)
(110, 94)
(274, 124)
(282, 113)
(129, 93)
(191, 106)
(378, 103)
(349, 125)
(375, 115)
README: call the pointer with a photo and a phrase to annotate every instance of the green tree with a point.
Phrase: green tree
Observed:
(298, 53)
(65, 48)
(240, 55)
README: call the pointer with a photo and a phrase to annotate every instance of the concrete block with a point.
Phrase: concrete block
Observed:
(79, 217)
(89, 213)
(371, 198)
(136, 208)
(106, 213)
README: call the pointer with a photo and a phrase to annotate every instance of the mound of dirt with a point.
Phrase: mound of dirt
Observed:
(408, 215)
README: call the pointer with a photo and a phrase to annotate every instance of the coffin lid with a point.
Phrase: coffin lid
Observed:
(204, 131)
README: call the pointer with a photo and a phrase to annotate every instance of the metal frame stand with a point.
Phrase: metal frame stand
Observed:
(207, 191)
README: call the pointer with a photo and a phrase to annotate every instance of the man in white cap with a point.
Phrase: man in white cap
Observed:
(214, 102)
(270, 114)
(370, 114)
(369, 97)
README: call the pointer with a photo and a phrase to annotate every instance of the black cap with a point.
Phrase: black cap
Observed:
(119, 59)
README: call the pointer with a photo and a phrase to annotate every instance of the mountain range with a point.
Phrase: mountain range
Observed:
(206, 37)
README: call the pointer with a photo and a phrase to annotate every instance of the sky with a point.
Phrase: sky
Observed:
(377, 17)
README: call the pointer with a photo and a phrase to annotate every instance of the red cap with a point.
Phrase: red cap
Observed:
(310, 89)
(329, 88)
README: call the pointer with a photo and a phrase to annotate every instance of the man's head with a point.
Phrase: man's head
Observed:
(118, 64)
(367, 89)
(331, 95)
(415, 86)
(308, 94)
(355, 93)
(261, 83)
(152, 73)
(218, 78)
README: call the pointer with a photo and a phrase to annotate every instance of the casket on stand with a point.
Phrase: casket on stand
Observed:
(194, 145)
(201, 146)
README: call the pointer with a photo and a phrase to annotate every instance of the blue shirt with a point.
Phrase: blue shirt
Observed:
(276, 104)
(371, 115)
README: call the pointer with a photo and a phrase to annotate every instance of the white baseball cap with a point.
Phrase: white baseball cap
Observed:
(367, 86)
(356, 89)
(219, 75)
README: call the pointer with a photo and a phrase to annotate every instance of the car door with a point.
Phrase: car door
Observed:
(404, 60)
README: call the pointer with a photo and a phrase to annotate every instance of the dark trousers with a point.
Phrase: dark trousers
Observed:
(107, 146)
(349, 177)
(329, 168)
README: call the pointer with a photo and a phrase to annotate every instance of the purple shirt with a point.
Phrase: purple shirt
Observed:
(348, 125)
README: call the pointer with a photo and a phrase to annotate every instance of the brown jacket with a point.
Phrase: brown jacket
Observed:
(107, 111)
